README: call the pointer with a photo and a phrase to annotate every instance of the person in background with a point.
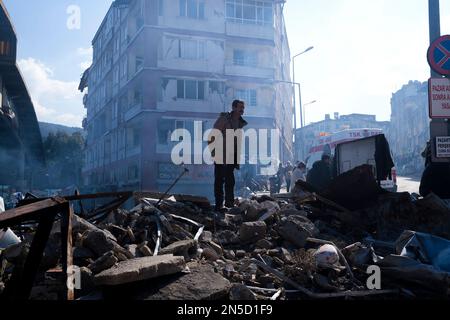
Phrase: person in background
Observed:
(320, 174)
(280, 176)
(299, 173)
(287, 175)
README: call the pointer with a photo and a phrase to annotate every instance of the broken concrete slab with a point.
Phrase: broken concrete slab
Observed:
(210, 254)
(104, 262)
(226, 237)
(145, 251)
(296, 229)
(140, 269)
(264, 244)
(97, 242)
(185, 248)
(202, 283)
(133, 249)
(252, 231)
(269, 208)
(241, 292)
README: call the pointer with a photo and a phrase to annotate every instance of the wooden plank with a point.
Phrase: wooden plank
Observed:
(31, 211)
(200, 201)
(150, 194)
(25, 284)
(99, 195)
(82, 197)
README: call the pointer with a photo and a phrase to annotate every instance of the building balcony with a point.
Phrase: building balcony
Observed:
(85, 99)
(212, 105)
(259, 111)
(133, 151)
(244, 71)
(250, 31)
(132, 112)
(192, 65)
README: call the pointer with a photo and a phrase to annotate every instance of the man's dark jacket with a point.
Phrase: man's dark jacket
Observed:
(320, 175)
(436, 179)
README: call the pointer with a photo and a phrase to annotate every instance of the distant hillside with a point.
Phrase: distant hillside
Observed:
(46, 128)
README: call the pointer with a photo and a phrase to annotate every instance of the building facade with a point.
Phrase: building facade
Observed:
(22, 163)
(410, 126)
(160, 65)
(306, 136)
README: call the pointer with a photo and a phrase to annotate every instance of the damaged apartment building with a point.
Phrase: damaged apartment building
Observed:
(161, 65)
(22, 164)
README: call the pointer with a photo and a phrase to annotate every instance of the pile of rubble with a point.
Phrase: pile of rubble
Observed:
(301, 245)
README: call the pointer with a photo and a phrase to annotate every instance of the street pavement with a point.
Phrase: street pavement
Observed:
(409, 184)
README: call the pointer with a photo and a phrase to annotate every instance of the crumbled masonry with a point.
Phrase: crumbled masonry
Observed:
(294, 246)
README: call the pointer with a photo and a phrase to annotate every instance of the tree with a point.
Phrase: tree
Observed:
(64, 154)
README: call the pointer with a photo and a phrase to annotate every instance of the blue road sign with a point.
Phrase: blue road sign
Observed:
(439, 55)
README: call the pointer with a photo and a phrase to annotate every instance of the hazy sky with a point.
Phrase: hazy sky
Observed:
(364, 51)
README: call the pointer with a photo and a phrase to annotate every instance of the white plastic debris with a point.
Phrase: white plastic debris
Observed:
(326, 255)
(2, 205)
(8, 238)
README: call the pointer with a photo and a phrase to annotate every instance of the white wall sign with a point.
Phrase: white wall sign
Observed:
(439, 97)
(443, 147)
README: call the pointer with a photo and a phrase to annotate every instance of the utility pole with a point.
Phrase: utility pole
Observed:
(438, 127)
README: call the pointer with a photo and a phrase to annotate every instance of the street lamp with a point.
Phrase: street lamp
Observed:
(304, 109)
(293, 80)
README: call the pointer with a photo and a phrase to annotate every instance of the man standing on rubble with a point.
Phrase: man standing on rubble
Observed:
(223, 171)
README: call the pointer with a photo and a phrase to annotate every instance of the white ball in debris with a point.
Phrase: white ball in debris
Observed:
(326, 254)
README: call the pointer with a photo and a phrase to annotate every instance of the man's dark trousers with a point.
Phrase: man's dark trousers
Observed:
(224, 174)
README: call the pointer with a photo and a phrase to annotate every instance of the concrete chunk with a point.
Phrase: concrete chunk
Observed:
(183, 248)
(296, 229)
(202, 283)
(140, 269)
(252, 231)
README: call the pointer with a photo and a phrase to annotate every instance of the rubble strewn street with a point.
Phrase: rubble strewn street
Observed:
(299, 245)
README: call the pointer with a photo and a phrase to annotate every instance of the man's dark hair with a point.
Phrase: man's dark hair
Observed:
(236, 102)
(326, 157)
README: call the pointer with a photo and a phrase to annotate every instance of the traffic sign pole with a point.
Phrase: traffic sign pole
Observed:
(438, 127)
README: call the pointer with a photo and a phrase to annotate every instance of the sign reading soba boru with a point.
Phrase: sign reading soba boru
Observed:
(439, 98)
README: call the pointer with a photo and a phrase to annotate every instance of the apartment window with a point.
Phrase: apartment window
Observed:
(248, 96)
(216, 87)
(115, 110)
(116, 44)
(136, 137)
(133, 172)
(249, 12)
(123, 104)
(191, 89)
(138, 98)
(165, 128)
(5, 48)
(179, 124)
(194, 9)
(124, 68)
(245, 58)
(116, 76)
(139, 64)
(191, 49)
(161, 8)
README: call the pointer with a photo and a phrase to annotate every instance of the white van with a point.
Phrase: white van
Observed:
(372, 150)
(326, 143)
